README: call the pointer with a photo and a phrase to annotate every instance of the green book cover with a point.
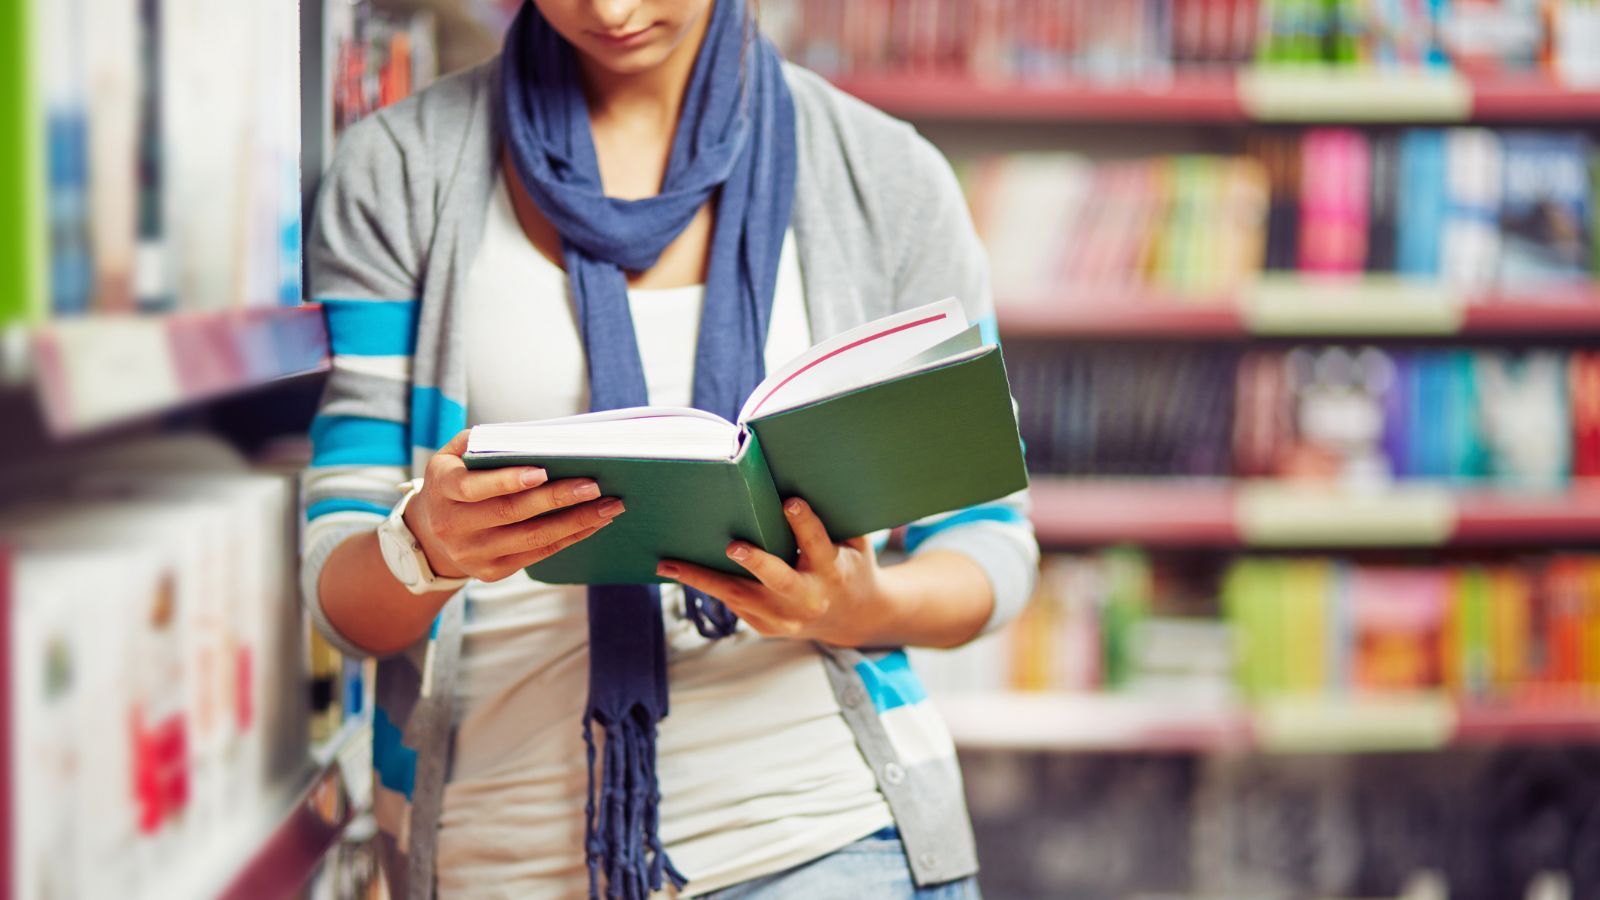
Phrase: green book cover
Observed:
(676, 509)
(941, 436)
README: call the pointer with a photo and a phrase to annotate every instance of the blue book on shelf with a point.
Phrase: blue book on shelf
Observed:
(1465, 454)
(1428, 421)
(1397, 415)
(1420, 212)
(1545, 209)
(71, 261)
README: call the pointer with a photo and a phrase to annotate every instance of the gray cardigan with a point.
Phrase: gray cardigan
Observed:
(879, 224)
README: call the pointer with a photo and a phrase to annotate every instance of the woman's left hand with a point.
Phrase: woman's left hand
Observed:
(831, 596)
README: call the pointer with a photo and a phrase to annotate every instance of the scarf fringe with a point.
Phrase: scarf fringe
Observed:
(622, 840)
(711, 617)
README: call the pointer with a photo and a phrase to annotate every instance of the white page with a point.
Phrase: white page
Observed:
(856, 357)
(656, 433)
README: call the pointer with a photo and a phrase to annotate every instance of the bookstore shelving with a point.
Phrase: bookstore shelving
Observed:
(173, 728)
(294, 844)
(1223, 514)
(1228, 99)
(1226, 236)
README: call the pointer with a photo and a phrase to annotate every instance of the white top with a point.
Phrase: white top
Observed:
(758, 769)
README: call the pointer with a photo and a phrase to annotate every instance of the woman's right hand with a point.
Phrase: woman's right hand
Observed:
(489, 524)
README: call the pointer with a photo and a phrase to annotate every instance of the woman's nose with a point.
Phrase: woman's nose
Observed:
(613, 15)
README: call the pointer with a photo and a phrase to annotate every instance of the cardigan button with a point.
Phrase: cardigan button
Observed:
(928, 860)
(893, 773)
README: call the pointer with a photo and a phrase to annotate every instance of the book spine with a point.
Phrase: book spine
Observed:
(1470, 243)
(24, 297)
(1381, 201)
(1419, 218)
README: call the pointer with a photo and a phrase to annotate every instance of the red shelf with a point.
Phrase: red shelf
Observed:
(1070, 512)
(1572, 517)
(1196, 97)
(1135, 313)
(1521, 725)
(1514, 316)
(279, 858)
(289, 856)
(1123, 723)
(1532, 98)
(1087, 512)
(1121, 315)
(1188, 99)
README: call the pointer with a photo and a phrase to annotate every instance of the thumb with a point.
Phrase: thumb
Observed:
(457, 444)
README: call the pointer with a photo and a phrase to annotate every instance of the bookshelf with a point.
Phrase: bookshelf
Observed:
(97, 372)
(1222, 98)
(1104, 723)
(1233, 514)
(1366, 307)
(152, 322)
(1086, 137)
(280, 857)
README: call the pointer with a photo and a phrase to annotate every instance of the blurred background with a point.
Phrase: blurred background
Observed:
(1298, 300)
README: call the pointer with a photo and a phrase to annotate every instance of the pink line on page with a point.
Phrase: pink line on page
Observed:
(829, 355)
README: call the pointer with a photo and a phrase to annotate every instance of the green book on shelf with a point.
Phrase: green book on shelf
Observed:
(900, 418)
(21, 169)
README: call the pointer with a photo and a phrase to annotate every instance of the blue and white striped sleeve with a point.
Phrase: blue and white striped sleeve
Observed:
(943, 257)
(360, 268)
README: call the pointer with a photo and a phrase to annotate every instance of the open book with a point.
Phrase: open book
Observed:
(897, 419)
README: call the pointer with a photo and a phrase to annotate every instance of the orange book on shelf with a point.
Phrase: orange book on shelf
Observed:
(1586, 576)
(1510, 643)
(1399, 621)
(394, 79)
(1030, 639)
(1452, 664)
(1563, 622)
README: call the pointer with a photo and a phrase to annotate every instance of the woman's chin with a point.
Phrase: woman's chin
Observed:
(631, 61)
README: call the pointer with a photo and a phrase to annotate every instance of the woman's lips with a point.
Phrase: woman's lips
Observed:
(625, 40)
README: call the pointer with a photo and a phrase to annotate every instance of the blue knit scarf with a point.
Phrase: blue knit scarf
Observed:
(734, 143)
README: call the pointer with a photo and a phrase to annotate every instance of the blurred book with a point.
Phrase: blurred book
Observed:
(171, 130)
(160, 707)
(1503, 630)
(1547, 207)
(1469, 210)
(1356, 416)
(378, 58)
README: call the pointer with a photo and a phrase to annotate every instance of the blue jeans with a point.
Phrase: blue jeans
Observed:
(873, 868)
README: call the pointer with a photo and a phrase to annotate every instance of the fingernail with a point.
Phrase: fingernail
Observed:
(794, 506)
(738, 551)
(586, 491)
(611, 507)
(532, 477)
(667, 570)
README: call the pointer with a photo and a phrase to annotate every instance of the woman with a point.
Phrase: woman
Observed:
(637, 203)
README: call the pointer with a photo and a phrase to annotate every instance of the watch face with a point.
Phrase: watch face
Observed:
(399, 558)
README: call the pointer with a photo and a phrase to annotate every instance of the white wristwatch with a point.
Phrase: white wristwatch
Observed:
(402, 552)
